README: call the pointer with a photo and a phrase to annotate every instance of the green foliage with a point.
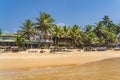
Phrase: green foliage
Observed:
(20, 41)
(117, 29)
(100, 41)
(106, 21)
(27, 29)
(110, 37)
(89, 37)
(99, 30)
(56, 31)
(102, 33)
(74, 32)
(44, 22)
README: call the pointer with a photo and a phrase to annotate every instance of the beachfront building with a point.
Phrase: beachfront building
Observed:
(7, 40)
(41, 39)
(118, 37)
(36, 40)
(117, 43)
(62, 41)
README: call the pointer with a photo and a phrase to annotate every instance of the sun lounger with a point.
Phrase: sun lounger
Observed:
(117, 48)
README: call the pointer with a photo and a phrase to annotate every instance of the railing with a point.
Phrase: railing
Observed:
(46, 40)
(7, 38)
(49, 41)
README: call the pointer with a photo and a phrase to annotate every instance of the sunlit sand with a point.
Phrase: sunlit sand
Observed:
(15, 65)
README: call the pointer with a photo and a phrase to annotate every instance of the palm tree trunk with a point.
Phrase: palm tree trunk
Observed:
(55, 40)
(65, 41)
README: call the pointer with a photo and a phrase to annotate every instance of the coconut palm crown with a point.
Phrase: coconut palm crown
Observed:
(44, 22)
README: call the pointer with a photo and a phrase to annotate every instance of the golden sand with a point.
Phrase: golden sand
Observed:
(22, 66)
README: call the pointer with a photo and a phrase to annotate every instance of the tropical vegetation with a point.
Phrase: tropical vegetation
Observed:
(102, 33)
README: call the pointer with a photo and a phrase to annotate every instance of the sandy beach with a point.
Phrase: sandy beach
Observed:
(30, 62)
(24, 60)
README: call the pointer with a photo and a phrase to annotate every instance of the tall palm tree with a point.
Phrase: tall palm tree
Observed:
(44, 22)
(88, 28)
(106, 21)
(27, 29)
(99, 30)
(111, 30)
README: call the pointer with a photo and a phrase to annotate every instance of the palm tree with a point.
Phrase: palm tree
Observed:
(56, 32)
(118, 28)
(112, 28)
(89, 36)
(26, 29)
(106, 30)
(44, 22)
(88, 28)
(108, 24)
(20, 41)
(106, 21)
(110, 38)
(99, 30)
(100, 41)
(65, 32)
(74, 32)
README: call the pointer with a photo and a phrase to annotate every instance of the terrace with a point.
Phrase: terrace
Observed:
(7, 40)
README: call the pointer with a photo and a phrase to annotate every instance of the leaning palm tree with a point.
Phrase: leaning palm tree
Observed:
(26, 29)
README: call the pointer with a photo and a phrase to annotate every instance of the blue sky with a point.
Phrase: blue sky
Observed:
(69, 12)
